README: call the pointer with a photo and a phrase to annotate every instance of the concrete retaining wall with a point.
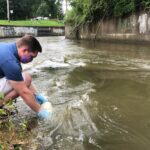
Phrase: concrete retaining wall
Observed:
(12, 31)
(133, 28)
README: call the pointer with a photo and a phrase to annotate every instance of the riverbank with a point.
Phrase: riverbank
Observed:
(134, 28)
(34, 27)
(16, 31)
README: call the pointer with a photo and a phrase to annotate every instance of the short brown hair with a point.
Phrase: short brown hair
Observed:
(31, 42)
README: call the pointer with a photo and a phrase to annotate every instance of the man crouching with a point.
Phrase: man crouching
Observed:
(14, 82)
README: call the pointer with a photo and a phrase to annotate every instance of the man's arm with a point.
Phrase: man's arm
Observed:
(23, 91)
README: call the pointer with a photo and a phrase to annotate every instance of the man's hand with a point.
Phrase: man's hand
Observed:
(40, 99)
(44, 114)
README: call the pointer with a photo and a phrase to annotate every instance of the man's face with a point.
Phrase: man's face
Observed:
(28, 56)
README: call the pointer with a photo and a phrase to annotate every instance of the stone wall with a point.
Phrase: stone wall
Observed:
(11, 31)
(133, 28)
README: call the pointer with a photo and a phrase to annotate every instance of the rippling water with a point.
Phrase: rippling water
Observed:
(100, 93)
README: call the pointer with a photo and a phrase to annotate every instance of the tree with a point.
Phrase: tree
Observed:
(59, 10)
(22, 8)
(43, 10)
(3, 9)
(85, 11)
(26, 9)
(50, 7)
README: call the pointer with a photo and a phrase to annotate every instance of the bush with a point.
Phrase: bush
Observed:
(84, 11)
(11, 135)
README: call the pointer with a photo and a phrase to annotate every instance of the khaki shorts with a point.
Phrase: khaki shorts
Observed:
(5, 87)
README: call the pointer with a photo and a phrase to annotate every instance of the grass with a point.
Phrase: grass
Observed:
(45, 23)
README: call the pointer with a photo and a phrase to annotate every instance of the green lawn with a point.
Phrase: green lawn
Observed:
(33, 23)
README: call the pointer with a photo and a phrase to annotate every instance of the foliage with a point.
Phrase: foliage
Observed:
(43, 10)
(25, 9)
(79, 12)
(3, 9)
(59, 9)
(123, 7)
(7, 126)
(146, 4)
(84, 11)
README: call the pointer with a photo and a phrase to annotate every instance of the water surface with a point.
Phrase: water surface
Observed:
(100, 93)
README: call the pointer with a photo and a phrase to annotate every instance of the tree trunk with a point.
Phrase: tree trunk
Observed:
(66, 5)
(8, 13)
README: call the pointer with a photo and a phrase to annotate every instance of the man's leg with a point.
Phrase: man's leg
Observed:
(13, 94)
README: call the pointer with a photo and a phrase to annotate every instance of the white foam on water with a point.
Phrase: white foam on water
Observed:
(144, 66)
(77, 103)
(32, 68)
(52, 64)
(81, 135)
(80, 64)
(77, 64)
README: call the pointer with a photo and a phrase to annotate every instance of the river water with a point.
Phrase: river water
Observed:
(100, 94)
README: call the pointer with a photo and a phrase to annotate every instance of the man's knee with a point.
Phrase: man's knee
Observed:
(27, 78)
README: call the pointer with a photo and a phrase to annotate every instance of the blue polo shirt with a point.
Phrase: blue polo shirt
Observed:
(10, 66)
